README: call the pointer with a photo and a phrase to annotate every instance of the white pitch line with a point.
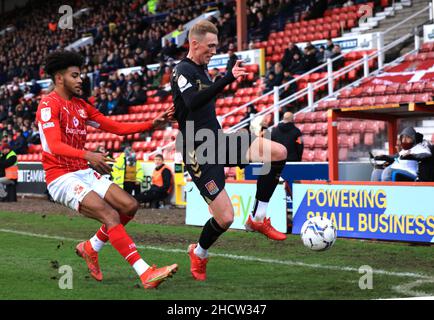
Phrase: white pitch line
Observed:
(244, 258)
(408, 289)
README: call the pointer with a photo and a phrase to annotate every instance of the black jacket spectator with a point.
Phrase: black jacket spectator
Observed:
(298, 65)
(289, 135)
(19, 144)
(288, 55)
(102, 104)
(137, 96)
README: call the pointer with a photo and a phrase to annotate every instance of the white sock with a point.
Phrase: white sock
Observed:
(140, 266)
(201, 252)
(261, 211)
(96, 243)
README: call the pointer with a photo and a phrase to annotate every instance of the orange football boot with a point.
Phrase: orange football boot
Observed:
(152, 277)
(197, 265)
(84, 250)
(265, 228)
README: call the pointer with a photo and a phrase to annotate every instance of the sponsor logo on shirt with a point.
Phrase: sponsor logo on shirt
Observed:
(48, 125)
(76, 131)
(75, 122)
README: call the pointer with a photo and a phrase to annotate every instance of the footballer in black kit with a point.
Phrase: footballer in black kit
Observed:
(194, 97)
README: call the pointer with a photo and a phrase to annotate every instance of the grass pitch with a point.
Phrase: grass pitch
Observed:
(243, 266)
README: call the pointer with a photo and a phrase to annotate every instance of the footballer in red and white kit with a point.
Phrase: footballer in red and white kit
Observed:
(62, 127)
(74, 175)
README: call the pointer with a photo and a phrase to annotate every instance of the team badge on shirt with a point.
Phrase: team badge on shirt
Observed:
(82, 113)
(45, 114)
(212, 187)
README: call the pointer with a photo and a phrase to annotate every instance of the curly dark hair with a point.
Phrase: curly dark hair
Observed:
(62, 60)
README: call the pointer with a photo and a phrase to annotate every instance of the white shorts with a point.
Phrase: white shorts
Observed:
(71, 188)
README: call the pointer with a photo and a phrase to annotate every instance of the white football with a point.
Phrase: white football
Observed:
(318, 233)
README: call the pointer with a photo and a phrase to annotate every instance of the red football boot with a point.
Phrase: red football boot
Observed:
(197, 265)
(84, 250)
(265, 228)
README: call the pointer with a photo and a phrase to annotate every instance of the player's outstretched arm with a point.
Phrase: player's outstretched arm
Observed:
(98, 120)
(195, 98)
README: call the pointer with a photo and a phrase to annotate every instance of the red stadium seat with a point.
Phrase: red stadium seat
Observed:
(320, 128)
(369, 139)
(345, 141)
(308, 155)
(309, 128)
(381, 100)
(320, 142)
(345, 126)
(320, 155)
(309, 117)
(320, 116)
(308, 141)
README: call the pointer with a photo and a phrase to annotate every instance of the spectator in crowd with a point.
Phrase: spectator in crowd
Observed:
(137, 96)
(320, 58)
(161, 186)
(289, 89)
(287, 134)
(310, 59)
(19, 143)
(288, 55)
(215, 74)
(338, 63)
(34, 137)
(275, 77)
(3, 113)
(128, 172)
(298, 65)
(404, 164)
(121, 105)
(8, 172)
(102, 104)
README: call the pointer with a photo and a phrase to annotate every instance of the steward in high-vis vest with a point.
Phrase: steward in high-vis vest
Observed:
(161, 186)
(128, 173)
(8, 168)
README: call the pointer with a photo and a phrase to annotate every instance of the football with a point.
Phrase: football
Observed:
(318, 233)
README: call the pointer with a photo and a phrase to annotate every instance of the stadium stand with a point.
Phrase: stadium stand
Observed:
(284, 28)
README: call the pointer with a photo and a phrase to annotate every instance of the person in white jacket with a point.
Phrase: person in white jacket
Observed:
(406, 164)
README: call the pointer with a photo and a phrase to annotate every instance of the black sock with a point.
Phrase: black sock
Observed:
(267, 183)
(210, 233)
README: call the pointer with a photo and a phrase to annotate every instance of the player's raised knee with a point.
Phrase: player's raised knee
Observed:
(131, 207)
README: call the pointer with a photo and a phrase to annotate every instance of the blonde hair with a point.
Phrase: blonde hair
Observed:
(201, 28)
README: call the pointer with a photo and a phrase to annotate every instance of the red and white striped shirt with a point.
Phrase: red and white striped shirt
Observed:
(62, 127)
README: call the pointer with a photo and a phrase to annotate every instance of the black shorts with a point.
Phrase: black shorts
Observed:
(209, 176)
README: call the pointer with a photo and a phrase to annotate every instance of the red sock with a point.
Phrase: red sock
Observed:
(123, 244)
(125, 219)
(102, 233)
